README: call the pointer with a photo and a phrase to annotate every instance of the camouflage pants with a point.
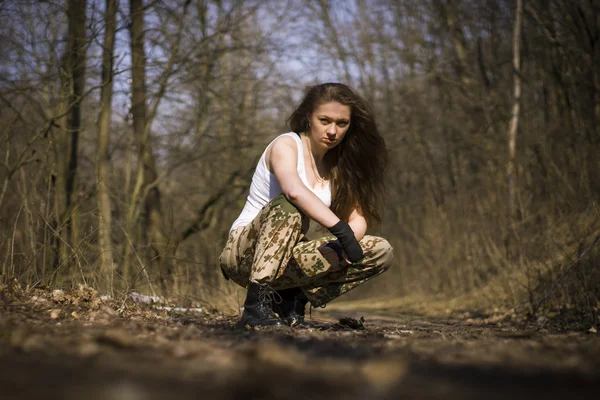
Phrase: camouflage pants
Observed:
(273, 249)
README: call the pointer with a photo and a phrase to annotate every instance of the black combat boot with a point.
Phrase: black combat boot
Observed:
(292, 306)
(258, 307)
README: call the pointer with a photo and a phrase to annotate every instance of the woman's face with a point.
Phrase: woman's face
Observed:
(329, 124)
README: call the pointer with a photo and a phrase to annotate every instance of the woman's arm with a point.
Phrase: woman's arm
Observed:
(358, 223)
(283, 162)
(334, 252)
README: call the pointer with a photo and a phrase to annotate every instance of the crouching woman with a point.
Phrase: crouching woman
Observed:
(328, 169)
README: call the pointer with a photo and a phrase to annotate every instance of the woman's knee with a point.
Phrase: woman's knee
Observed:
(382, 252)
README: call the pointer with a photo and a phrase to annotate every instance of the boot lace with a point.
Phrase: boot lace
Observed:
(266, 297)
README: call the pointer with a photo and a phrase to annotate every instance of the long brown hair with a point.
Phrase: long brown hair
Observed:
(358, 164)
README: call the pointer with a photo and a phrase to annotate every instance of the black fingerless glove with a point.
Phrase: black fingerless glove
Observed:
(345, 235)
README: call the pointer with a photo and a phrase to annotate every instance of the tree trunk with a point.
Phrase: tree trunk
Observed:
(146, 194)
(449, 12)
(514, 120)
(103, 161)
(138, 111)
(66, 146)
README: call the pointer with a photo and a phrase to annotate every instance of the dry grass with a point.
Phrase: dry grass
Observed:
(459, 262)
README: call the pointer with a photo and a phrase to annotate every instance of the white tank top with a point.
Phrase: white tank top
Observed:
(265, 186)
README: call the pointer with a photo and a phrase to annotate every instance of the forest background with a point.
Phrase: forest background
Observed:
(130, 130)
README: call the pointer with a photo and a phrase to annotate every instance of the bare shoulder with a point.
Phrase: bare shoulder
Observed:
(284, 146)
(283, 143)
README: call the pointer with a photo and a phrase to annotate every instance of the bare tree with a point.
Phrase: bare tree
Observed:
(146, 197)
(514, 120)
(73, 82)
(103, 161)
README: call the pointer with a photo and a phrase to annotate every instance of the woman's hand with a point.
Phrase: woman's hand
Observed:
(334, 253)
(348, 241)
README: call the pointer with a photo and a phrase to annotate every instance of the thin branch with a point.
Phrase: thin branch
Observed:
(201, 215)
(569, 268)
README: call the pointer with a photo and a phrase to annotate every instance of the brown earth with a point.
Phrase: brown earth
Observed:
(57, 345)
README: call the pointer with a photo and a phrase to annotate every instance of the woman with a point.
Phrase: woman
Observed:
(329, 169)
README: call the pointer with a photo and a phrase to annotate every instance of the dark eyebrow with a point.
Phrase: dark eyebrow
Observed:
(331, 119)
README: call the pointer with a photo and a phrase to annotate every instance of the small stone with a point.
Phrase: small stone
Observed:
(32, 342)
(88, 349)
(117, 338)
(54, 314)
(18, 336)
(384, 373)
(180, 351)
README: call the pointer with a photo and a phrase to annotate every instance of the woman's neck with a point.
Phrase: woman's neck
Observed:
(316, 153)
(316, 164)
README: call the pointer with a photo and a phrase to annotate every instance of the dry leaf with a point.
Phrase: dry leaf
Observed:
(58, 295)
(75, 315)
(108, 310)
(84, 293)
(351, 323)
(592, 330)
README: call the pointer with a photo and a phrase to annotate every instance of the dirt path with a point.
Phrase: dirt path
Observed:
(89, 350)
